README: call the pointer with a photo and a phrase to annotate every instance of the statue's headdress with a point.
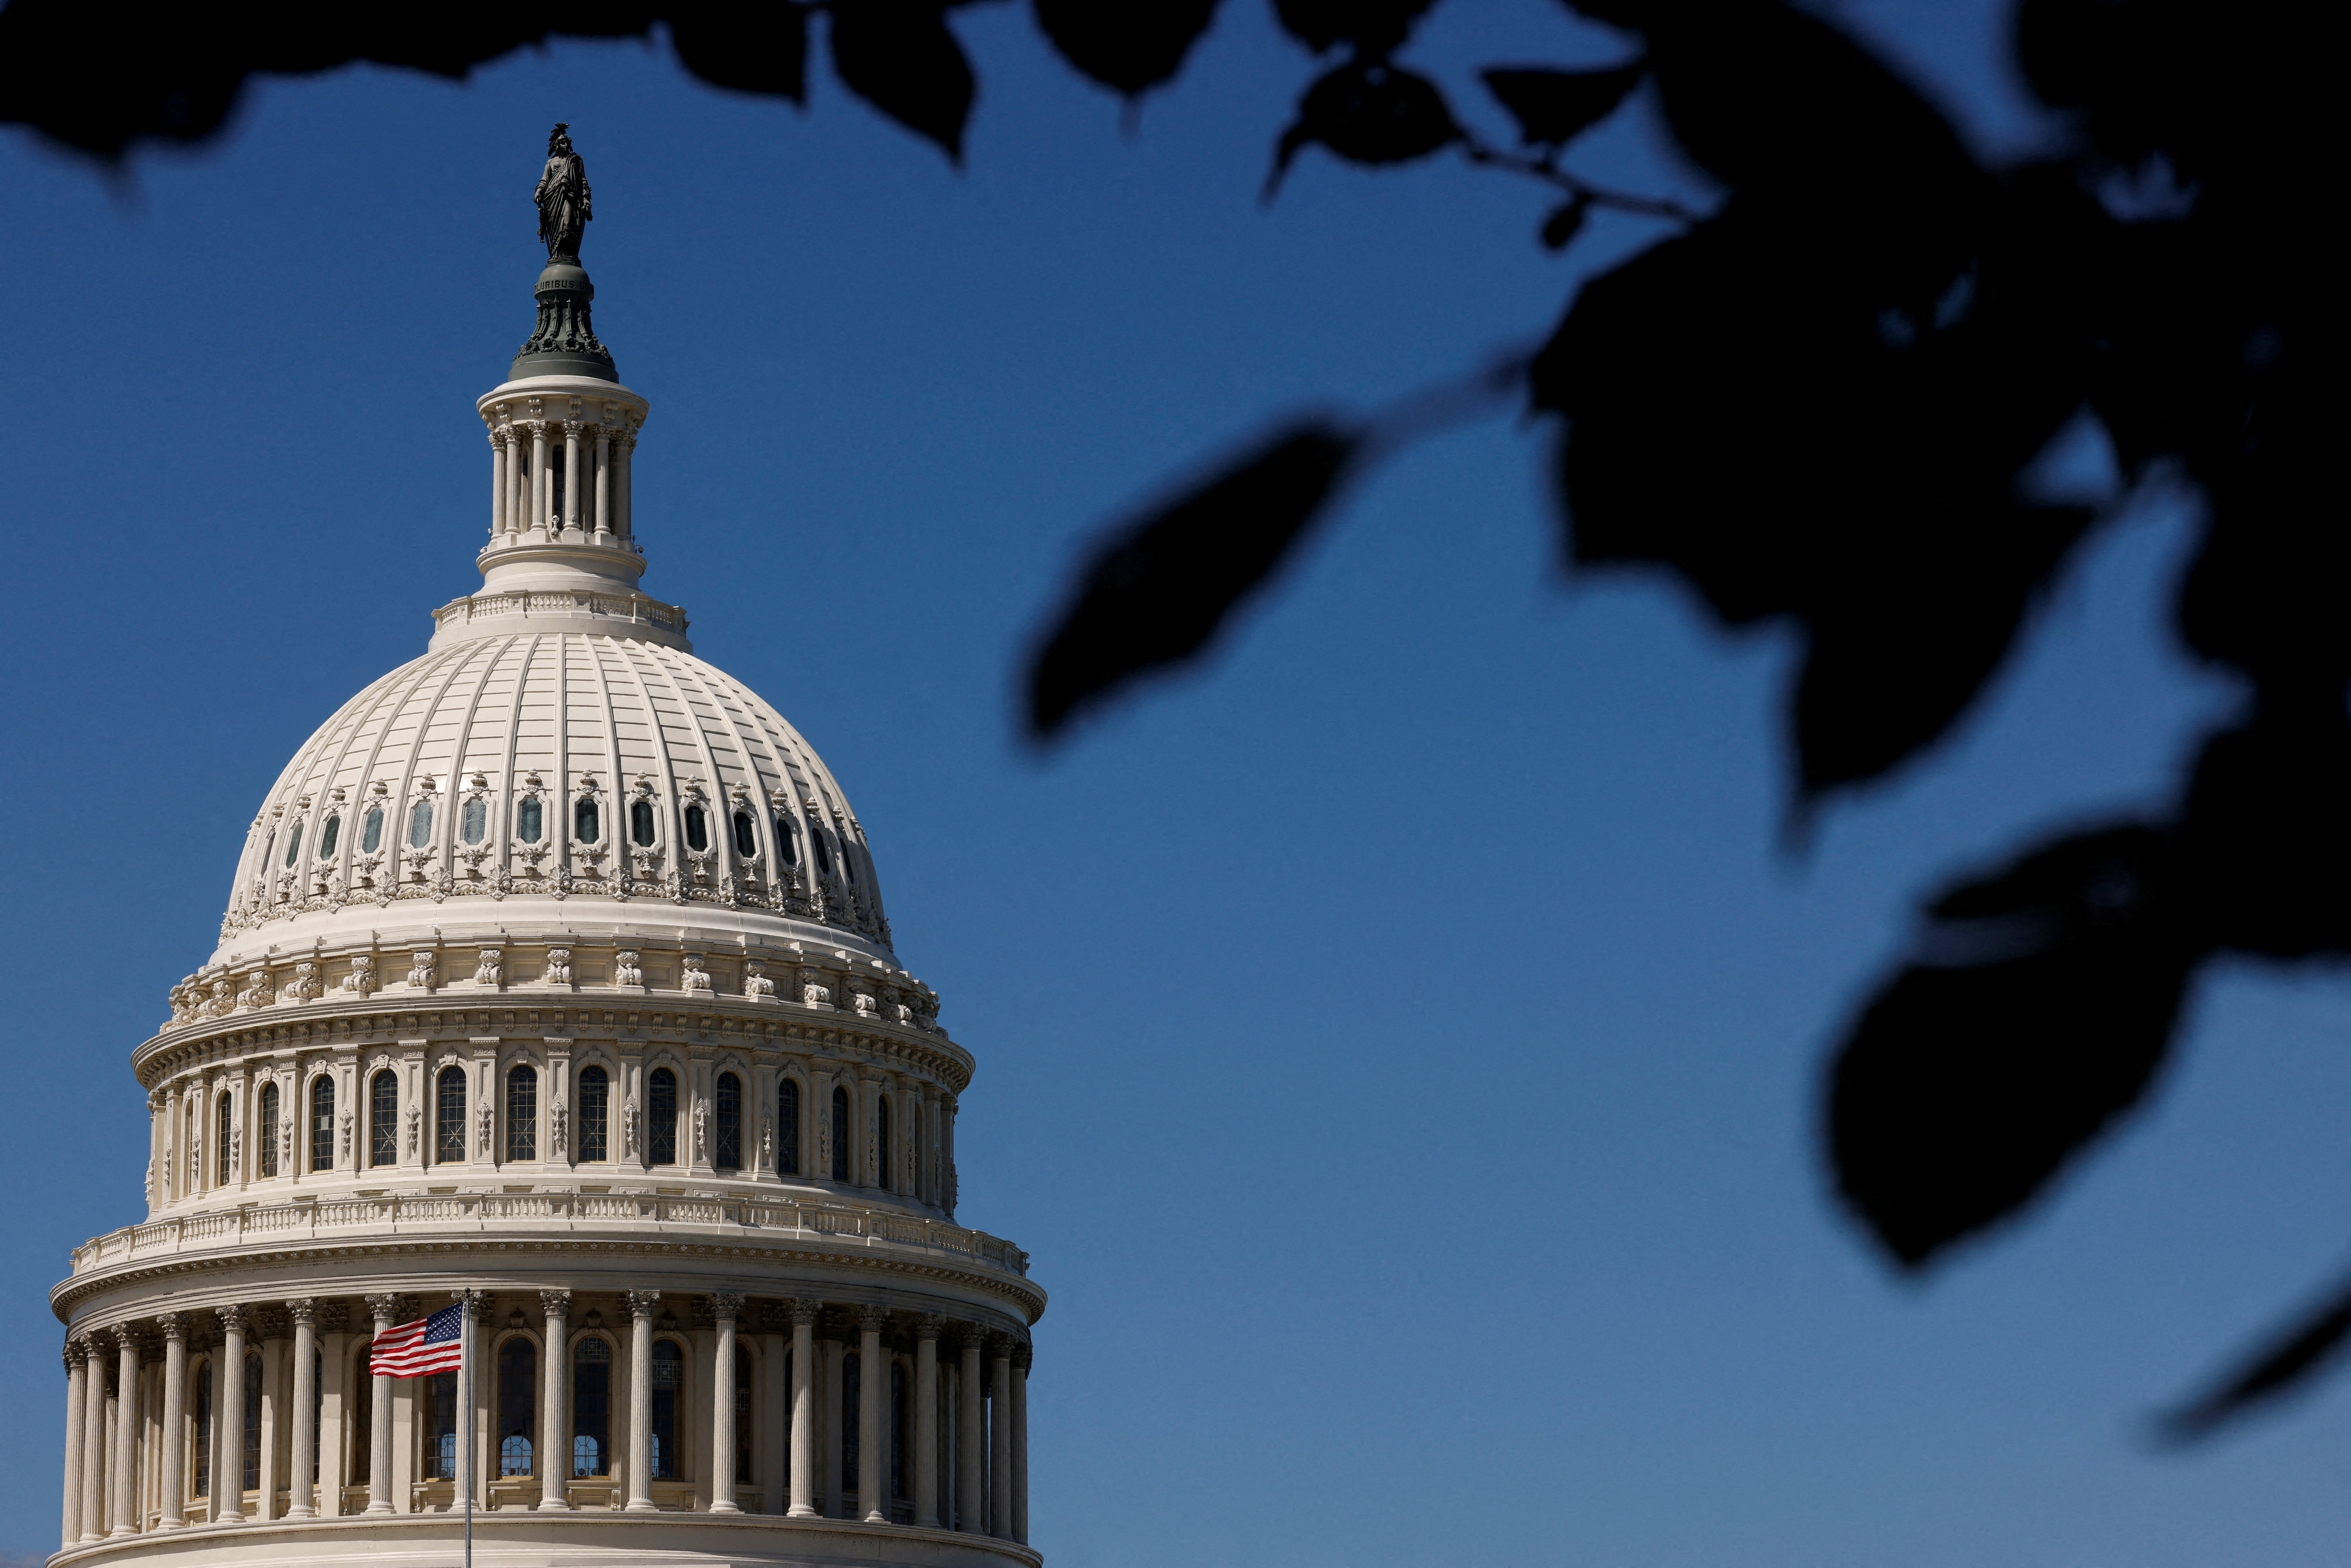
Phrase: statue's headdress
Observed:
(556, 139)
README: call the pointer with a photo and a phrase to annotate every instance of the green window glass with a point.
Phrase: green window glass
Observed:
(584, 825)
(528, 817)
(420, 826)
(371, 830)
(747, 837)
(327, 837)
(475, 822)
(641, 821)
(294, 844)
(787, 842)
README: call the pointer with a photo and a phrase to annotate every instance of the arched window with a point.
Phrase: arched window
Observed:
(294, 844)
(668, 1389)
(327, 835)
(697, 829)
(591, 1408)
(586, 828)
(201, 1485)
(595, 1119)
(449, 1116)
(383, 1119)
(371, 830)
(788, 840)
(852, 1413)
(728, 1154)
(824, 851)
(641, 821)
(742, 1415)
(420, 826)
(322, 1124)
(475, 822)
(747, 836)
(517, 1389)
(661, 1117)
(530, 819)
(265, 1134)
(882, 1140)
(522, 1112)
(840, 1134)
(788, 1127)
(440, 1426)
(849, 862)
(223, 1119)
(249, 1449)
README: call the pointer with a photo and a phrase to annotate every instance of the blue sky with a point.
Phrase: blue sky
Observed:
(1399, 1042)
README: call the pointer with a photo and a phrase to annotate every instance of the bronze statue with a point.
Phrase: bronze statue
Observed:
(564, 207)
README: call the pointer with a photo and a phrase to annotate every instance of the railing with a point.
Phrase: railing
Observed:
(438, 1213)
(525, 601)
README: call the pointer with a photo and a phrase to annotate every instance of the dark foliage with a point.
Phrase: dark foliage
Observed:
(1815, 406)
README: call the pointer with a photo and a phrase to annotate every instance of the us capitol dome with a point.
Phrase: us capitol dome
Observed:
(554, 983)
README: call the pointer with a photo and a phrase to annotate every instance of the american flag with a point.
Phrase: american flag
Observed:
(427, 1345)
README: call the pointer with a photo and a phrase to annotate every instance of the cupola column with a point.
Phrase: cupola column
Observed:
(873, 1417)
(803, 1460)
(603, 485)
(77, 1398)
(228, 1478)
(641, 1307)
(539, 498)
(304, 1447)
(570, 474)
(726, 1306)
(926, 1420)
(999, 1454)
(624, 520)
(1022, 1359)
(971, 1441)
(499, 482)
(126, 1432)
(555, 1414)
(386, 1309)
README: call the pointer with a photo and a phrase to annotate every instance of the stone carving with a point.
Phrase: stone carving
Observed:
(347, 1140)
(696, 978)
(559, 967)
(725, 1305)
(625, 970)
(555, 1304)
(195, 1160)
(173, 1326)
(564, 203)
(232, 1319)
(303, 1310)
(148, 1184)
(415, 1131)
(629, 1125)
(483, 1127)
(361, 980)
(643, 1304)
(799, 1310)
(486, 971)
(420, 970)
(873, 1319)
(305, 986)
(558, 1126)
(334, 1316)
(184, 1002)
(814, 992)
(766, 1142)
(257, 992)
(387, 1308)
(863, 1001)
(235, 1152)
(286, 1145)
(930, 1325)
(222, 1001)
(755, 981)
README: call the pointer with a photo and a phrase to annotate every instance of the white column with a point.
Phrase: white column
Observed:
(603, 485)
(726, 1306)
(873, 1418)
(971, 1440)
(803, 1461)
(926, 1419)
(541, 496)
(642, 1305)
(519, 483)
(304, 1448)
(570, 474)
(76, 1399)
(386, 1311)
(126, 1432)
(228, 1476)
(1022, 1359)
(999, 1449)
(555, 1404)
(497, 483)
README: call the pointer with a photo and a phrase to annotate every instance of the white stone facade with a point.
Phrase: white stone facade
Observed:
(554, 972)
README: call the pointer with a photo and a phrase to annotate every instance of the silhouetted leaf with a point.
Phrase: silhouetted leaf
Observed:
(899, 57)
(1553, 108)
(1367, 114)
(2264, 837)
(760, 48)
(2289, 1359)
(1131, 46)
(1565, 223)
(1157, 591)
(2037, 1011)
(1372, 27)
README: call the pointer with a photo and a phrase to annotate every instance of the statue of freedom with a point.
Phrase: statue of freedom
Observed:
(564, 207)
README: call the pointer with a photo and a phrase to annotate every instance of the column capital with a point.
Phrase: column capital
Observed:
(555, 1304)
(1024, 1357)
(873, 1319)
(930, 1325)
(77, 1351)
(642, 1305)
(1000, 1343)
(799, 1309)
(386, 1308)
(126, 1336)
(303, 1310)
(233, 1320)
(476, 1303)
(725, 1305)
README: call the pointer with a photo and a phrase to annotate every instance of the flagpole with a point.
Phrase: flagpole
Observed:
(465, 1413)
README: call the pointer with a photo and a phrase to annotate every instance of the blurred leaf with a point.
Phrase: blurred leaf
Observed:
(2265, 839)
(1553, 108)
(1159, 589)
(1373, 26)
(2289, 1359)
(760, 48)
(1131, 46)
(1565, 223)
(2038, 1010)
(899, 57)
(1371, 114)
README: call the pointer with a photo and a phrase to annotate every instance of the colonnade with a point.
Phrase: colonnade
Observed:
(593, 459)
(133, 1432)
